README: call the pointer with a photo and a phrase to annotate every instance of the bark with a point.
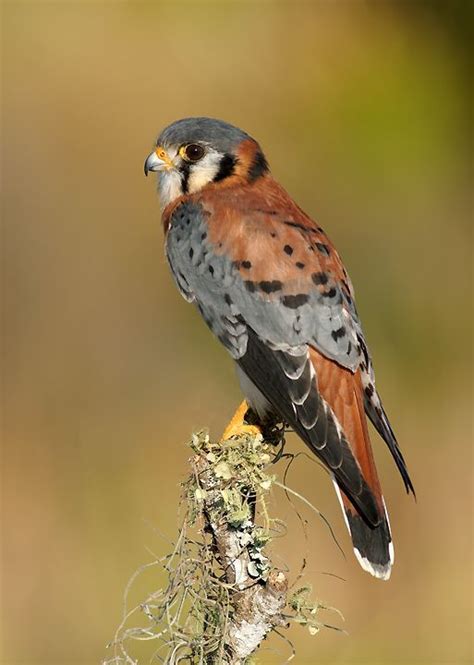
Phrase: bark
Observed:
(257, 601)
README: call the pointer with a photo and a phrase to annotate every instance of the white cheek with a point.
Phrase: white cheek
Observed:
(170, 184)
(204, 172)
(169, 187)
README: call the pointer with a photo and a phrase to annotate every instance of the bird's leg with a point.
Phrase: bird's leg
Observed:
(238, 425)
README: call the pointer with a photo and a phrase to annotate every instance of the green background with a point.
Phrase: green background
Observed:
(362, 110)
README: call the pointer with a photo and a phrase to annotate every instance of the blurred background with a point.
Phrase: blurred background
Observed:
(362, 110)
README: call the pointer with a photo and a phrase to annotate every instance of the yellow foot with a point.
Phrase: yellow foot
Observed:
(237, 426)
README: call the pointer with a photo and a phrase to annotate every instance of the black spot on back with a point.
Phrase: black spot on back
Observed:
(319, 278)
(337, 334)
(266, 212)
(300, 265)
(293, 302)
(246, 264)
(296, 225)
(324, 249)
(270, 287)
(330, 293)
(288, 249)
(250, 286)
(300, 227)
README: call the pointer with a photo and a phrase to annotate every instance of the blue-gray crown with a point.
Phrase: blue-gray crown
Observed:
(221, 135)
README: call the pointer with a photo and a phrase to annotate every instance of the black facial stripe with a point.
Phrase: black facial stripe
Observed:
(185, 173)
(259, 166)
(226, 167)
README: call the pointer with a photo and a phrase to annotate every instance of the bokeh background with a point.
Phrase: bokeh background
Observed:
(362, 109)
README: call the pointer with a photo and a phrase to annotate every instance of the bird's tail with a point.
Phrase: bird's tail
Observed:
(343, 391)
(373, 546)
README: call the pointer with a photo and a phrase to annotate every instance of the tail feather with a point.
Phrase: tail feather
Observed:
(344, 393)
(373, 547)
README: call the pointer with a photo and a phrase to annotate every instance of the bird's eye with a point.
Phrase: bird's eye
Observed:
(192, 152)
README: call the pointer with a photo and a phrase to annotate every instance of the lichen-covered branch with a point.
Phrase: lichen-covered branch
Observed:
(218, 595)
(229, 492)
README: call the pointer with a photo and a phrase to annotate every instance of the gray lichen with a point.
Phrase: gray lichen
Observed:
(223, 595)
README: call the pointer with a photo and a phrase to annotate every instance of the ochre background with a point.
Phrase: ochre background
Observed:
(361, 108)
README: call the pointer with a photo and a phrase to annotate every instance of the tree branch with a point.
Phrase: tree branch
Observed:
(222, 595)
(258, 594)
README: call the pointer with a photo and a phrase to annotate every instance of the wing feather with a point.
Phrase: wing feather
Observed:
(271, 286)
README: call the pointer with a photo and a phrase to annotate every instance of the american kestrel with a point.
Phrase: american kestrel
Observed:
(271, 286)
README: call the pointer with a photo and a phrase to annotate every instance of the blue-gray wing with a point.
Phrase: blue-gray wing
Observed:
(281, 278)
(270, 288)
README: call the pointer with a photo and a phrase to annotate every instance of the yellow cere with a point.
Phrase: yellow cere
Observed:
(163, 155)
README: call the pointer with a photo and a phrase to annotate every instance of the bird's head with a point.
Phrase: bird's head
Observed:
(192, 153)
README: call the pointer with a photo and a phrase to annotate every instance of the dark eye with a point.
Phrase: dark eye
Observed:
(193, 152)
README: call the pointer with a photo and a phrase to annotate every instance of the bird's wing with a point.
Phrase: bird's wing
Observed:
(291, 286)
(286, 275)
(272, 287)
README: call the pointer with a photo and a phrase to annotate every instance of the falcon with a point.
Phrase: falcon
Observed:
(272, 288)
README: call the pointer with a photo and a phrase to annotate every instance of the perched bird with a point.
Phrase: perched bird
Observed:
(273, 289)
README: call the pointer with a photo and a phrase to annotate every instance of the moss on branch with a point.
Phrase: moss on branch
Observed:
(223, 595)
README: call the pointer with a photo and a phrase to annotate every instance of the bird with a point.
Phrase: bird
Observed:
(272, 288)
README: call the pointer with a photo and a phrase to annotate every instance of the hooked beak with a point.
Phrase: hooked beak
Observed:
(158, 160)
